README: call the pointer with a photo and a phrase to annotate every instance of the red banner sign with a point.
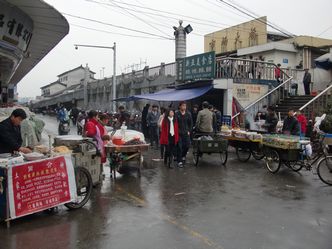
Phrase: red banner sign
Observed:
(39, 185)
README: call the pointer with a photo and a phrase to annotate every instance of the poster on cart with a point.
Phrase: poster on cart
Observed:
(40, 185)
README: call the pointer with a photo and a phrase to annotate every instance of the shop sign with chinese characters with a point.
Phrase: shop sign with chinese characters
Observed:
(201, 66)
(40, 185)
(15, 26)
(248, 93)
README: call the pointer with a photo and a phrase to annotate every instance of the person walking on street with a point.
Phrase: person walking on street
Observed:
(152, 123)
(160, 122)
(204, 123)
(194, 113)
(277, 73)
(291, 125)
(306, 81)
(170, 137)
(145, 112)
(185, 123)
(211, 109)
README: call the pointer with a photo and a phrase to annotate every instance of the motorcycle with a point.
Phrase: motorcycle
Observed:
(64, 128)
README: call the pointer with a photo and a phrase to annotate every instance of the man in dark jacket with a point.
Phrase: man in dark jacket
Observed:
(185, 123)
(306, 81)
(152, 123)
(144, 124)
(194, 113)
(291, 125)
(271, 120)
(10, 133)
(124, 117)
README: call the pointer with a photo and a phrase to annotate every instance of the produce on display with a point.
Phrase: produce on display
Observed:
(282, 141)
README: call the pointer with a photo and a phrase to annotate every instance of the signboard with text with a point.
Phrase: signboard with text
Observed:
(40, 185)
(248, 93)
(201, 66)
(16, 27)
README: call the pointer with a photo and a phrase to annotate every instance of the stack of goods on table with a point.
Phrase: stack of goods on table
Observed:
(282, 141)
(9, 159)
(127, 137)
(226, 131)
(238, 133)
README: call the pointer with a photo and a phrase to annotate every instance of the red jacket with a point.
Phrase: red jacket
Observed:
(90, 128)
(303, 123)
(165, 131)
(91, 131)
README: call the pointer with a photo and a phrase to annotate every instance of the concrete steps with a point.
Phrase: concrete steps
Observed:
(294, 102)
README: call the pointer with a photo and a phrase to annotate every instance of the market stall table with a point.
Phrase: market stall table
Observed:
(246, 144)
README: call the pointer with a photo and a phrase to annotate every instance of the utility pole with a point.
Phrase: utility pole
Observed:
(85, 86)
(114, 73)
(114, 79)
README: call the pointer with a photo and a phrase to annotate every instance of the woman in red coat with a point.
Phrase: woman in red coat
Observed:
(169, 137)
(95, 130)
(302, 121)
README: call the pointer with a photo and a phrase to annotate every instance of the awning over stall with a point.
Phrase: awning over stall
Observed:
(171, 94)
(324, 61)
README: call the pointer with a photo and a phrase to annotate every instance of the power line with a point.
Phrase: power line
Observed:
(171, 13)
(248, 14)
(116, 26)
(137, 17)
(167, 17)
(114, 33)
(255, 14)
(324, 31)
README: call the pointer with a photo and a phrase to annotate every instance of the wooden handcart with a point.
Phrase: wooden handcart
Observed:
(117, 154)
(245, 148)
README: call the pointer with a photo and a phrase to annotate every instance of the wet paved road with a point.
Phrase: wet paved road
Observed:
(234, 207)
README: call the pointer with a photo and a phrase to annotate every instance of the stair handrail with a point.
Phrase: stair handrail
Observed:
(264, 96)
(317, 97)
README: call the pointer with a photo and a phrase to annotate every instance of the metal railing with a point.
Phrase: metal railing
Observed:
(251, 70)
(248, 69)
(278, 93)
(318, 104)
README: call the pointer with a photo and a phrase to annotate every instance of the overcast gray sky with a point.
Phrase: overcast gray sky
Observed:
(301, 17)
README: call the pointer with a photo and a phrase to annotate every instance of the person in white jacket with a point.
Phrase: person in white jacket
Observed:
(160, 121)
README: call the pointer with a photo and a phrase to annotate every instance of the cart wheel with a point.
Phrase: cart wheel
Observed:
(272, 160)
(243, 154)
(84, 188)
(258, 155)
(324, 170)
(223, 157)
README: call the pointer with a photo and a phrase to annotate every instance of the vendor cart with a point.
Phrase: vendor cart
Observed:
(211, 144)
(84, 153)
(28, 187)
(294, 154)
(118, 154)
(284, 150)
(246, 146)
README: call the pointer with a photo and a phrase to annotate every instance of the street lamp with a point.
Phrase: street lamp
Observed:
(114, 71)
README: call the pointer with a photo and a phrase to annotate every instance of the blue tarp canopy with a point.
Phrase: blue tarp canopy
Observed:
(324, 61)
(171, 94)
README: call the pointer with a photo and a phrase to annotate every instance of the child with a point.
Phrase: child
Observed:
(169, 137)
